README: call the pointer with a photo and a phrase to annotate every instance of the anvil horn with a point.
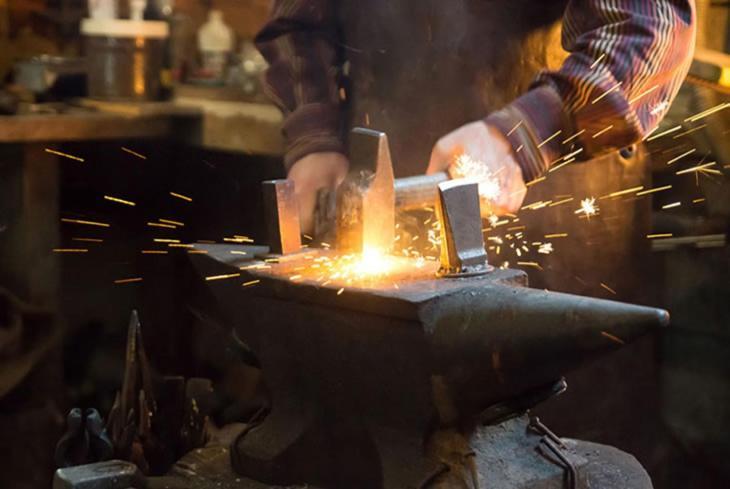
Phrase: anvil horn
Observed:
(514, 339)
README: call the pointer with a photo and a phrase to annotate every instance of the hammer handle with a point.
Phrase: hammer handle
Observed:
(419, 191)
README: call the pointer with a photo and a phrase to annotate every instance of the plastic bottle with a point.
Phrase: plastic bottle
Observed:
(215, 43)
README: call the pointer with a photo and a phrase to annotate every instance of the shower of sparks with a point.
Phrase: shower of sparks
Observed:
(467, 167)
(134, 153)
(86, 223)
(222, 277)
(654, 190)
(613, 338)
(588, 207)
(545, 249)
(128, 280)
(181, 197)
(70, 250)
(676, 159)
(119, 201)
(64, 155)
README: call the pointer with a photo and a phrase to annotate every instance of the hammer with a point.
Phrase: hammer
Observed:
(365, 204)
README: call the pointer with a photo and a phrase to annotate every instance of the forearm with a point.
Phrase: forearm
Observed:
(627, 61)
(300, 43)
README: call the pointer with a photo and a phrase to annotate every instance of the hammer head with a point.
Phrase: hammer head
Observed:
(366, 199)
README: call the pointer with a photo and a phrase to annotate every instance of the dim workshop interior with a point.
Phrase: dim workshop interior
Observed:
(383, 244)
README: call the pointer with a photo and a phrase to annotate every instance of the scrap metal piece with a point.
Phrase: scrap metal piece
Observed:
(462, 242)
(366, 199)
(282, 217)
(113, 474)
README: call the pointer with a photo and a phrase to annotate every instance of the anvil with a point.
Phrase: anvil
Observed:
(408, 384)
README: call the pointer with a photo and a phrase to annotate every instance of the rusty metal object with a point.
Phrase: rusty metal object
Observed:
(462, 242)
(282, 217)
(366, 199)
(112, 474)
(359, 380)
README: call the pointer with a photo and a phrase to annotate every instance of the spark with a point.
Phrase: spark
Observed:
(197, 252)
(608, 288)
(250, 283)
(660, 107)
(170, 221)
(89, 240)
(545, 249)
(623, 192)
(600, 58)
(222, 277)
(671, 206)
(64, 155)
(661, 235)
(339, 292)
(119, 201)
(181, 196)
(128, 280)
(708, 112)
(86, 223)
(549, 139)
(468, 167)
(698, 168)
(664, 133)
(160, 225)
(238, 239)
(607, 93)
(134, 153)
(529, 264)
(602, 132)
(165, 240)
(654, 190)
(643, 94)
(154, 252)
(70, 250)
(178, 245)
(698, 201)
(574, 136)
(561, 202)
(557, 235)
(693, 130)
(687, 153)
(515, 128)
(613, 338)
(238, 253)
(535, 181)
(588, 207)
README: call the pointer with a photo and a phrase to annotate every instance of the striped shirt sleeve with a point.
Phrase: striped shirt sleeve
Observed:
(300, 44)
(627, 60)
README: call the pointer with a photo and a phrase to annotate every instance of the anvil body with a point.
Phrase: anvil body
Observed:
(370, 387)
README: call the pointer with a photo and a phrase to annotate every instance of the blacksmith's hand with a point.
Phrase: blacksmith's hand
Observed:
(482, 152)
(312, 173)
